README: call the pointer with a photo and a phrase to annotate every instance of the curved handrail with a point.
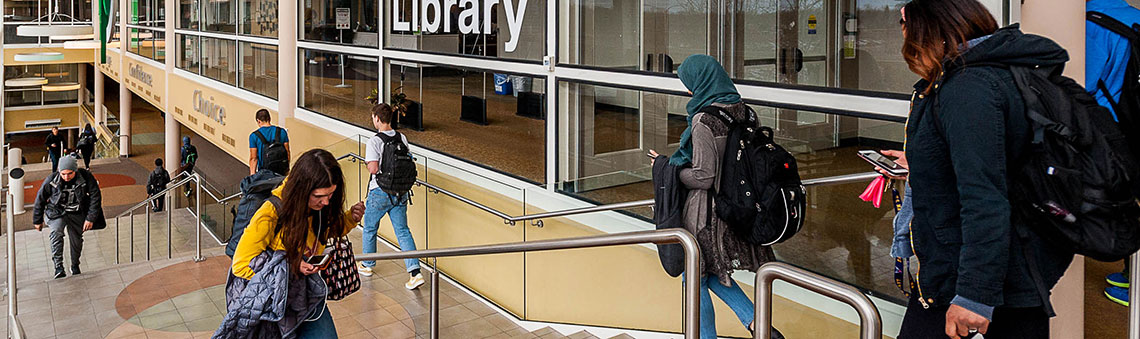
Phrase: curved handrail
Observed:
(667, 236)
(511, 220)
(159, 195)
(871, 323)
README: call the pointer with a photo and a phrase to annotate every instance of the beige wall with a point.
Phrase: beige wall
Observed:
(232, 134)
(152, 93)
(14, 118)
(111, 67)
(1064, 22)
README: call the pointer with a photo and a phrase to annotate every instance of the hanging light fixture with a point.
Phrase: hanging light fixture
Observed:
(26, 82)
(51, 30)
(60, 87)
(38, 57)
(73, 37)
(81, 44)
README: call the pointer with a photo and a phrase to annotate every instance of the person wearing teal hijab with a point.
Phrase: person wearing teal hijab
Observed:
(709, 83)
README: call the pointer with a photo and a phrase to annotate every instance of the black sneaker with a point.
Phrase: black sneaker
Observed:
(75, 270)
(59, 273)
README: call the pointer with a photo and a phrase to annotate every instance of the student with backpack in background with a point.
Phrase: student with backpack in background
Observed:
(86, 145)
(189, 157)
(1111, 66)
(267, 141)
(389, 189)
(255, 189)
(157, 182)
(703, 146)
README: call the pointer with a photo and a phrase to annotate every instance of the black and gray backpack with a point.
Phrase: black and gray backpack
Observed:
(397, 167)
(761, 197)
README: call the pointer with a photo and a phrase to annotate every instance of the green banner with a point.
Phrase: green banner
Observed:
(106, 8)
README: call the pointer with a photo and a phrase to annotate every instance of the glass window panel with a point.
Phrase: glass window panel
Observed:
(24, 11)
(319, 19)
(512, 33)
(189, 51)
(133, 40)
(220, 16)
(337, 85)
(472, 114)
(259, 17)
(189, 14)
(22, 97)
(10, 36)
(609, 130)
(218, 60)
(259, 68)
(159, 43)
(851, 44)
(64, 97)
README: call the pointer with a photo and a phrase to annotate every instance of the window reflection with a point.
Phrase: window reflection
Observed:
(337, 85)
(188, 53)
(259, 17)
(220, 16)
(259, 68)
(189, 14)
(474, 115)
(218, 60)
(610, 130)
(320, 22)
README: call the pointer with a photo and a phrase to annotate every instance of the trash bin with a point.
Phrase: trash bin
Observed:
(522, 84)
(503, 84)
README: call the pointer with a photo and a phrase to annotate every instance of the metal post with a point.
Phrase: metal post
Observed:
(434, 303)
(198, 222)
(12, 306)
(117, 240)
(132, 234)
(147, 208)
(169, 225)
(1134, 289)
(871, 324)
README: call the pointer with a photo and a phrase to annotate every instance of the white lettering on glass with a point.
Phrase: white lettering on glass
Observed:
(474, 17)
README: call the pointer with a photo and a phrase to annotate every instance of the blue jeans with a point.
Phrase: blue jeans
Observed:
(54, 161)
(380, 203)
(322, 327)
(731, 295)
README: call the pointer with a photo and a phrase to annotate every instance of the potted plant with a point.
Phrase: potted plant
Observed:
(407, 111)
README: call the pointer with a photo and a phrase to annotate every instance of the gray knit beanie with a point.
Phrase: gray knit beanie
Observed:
(68, 163)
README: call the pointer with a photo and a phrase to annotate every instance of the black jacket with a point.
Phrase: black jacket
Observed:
(669, 196)
(90, 200)
(963, 230)
(157, 180)
(57, 140)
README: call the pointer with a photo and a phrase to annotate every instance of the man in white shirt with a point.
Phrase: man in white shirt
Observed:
(380, 203)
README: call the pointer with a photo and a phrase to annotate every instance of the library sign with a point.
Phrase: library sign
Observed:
(474, 17)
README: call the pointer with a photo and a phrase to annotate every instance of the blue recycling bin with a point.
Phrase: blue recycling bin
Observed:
(503, 84)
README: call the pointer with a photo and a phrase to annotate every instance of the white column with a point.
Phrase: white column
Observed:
(125, 97)
(171, 126)
(1064, 22)
(16, 186)
(287, 62)
(82, 85)
(100, 114)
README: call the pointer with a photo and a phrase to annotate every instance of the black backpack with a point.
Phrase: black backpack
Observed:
(761, 197)
(397, 168)
(273, 155)
(1129, 105)
(1073, 182)
(255, 190)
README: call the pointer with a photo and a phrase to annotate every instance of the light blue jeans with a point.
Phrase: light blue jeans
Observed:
(732, 295)
(378, 204)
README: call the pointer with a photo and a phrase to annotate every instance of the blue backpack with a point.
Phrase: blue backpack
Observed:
(255, 190)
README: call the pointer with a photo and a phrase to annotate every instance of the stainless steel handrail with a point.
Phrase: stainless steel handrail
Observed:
(511, 220)
(190, 178)
(668, 236)
(871, 324)
(1134, 290)
(16, 328)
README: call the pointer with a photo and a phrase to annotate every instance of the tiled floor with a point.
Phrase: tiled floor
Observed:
(180, 298)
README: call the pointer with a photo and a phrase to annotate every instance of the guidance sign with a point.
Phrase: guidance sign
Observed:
(343, 16)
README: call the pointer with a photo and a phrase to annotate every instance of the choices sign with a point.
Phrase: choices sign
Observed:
(209, 108)
(473, 12)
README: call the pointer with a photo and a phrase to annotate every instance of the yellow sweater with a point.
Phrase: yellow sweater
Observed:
(256, 238)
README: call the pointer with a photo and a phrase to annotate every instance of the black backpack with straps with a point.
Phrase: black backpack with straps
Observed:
(272, 154)
(397, 167)
(1128, 106)
(760, 197)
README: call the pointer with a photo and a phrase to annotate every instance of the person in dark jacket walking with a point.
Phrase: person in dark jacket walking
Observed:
(966, 128)
(157, 183)
(54, 143)
(86, 145)
(702, 146)
(70, 200)
(188, 157)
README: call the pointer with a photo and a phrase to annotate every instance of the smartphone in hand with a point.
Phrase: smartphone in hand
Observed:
(882, 161)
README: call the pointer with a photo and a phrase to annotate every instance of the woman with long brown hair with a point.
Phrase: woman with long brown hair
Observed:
(311, 214)
(966, 129)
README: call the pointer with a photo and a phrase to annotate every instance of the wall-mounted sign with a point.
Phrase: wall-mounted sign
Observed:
(139, 74)
(811, 24)
(343, 16)
(429, 15)
(209, 108)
